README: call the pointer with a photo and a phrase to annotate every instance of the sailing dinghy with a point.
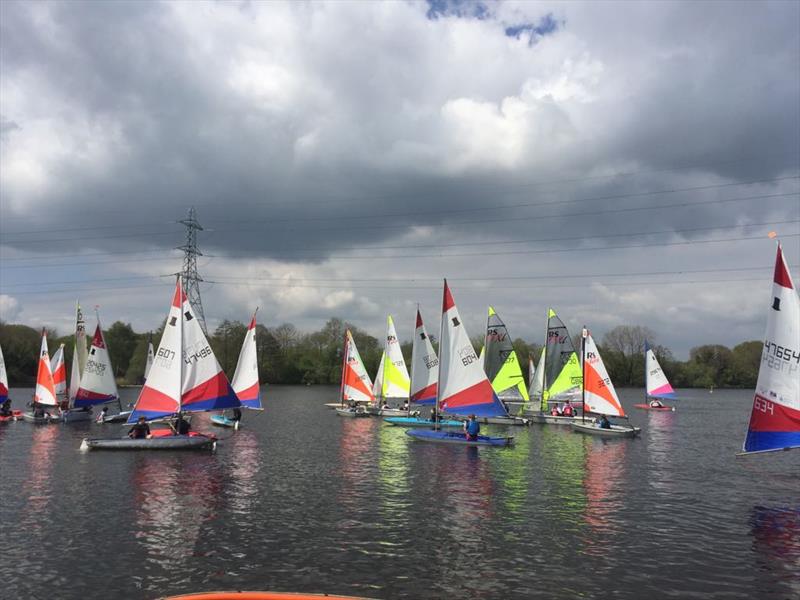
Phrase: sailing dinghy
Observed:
(44, 397)
(501, 363)
(656, 384)
(245, 381)
(98, 385)
(598, 396)
(185, 377)
(392, 383)
(560, 374)
(775, 417)
(463, 387)
(356, 388)
(15, 414)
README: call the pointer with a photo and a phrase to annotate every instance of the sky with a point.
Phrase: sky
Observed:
(620, 162)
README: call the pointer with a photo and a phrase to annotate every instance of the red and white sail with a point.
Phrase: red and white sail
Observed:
(600, 397)
(45, 387)
(356, 384)
(775, 418)
(186, 375)
(463, 386)
(245, 379)
(59, 371)
(98, 385)
(3, 378)
(424, 366)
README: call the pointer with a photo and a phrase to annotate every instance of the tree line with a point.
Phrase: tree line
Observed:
(288, 356)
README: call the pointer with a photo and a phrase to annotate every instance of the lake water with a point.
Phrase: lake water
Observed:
(302, 500)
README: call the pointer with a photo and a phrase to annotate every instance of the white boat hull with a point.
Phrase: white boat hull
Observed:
(615, 431)
(544, 418)
(76, 415)
(352, 413)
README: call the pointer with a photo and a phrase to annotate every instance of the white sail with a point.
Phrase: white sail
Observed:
(396, 382)
(150, 356)
(245, 381)
(377, 385)
(356, 384)
(600, 397)
(656, 382)
(3, 378)
(424, 366)
(536, 378)
(98, 385)
(74, 375)
(80, 340)
(59, 371)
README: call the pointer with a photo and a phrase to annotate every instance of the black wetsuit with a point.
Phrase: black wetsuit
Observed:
(139, 431)
(182, 426)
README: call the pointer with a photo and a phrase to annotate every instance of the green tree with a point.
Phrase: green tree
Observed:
(121, 342)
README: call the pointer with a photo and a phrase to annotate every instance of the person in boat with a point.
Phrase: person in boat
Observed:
(656, 404)
(237, 414)
(568, 411)
(140, 431)
(38, 410)
(472, 428)
(406, 405)
(100, 418)
(5, 409)
(434, 415)
(181, 426)
(604, 422)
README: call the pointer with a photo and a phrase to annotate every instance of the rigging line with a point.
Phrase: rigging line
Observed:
(130, 278)
(94, 262)
(176, 232)
(433, 212)
(372, 248)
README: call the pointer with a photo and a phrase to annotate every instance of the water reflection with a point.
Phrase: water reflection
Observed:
(660, 434)
(393, 472)
(243, 467)
(356, 461)
(512, 471)
(776, 541)
(37, 486)
(563, 458)
(604, 482)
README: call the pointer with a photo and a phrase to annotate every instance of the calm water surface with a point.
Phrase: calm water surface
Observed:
(302, 500)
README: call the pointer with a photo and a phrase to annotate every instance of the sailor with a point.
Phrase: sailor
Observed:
(656, 404)
(237, 414)
(100, 418)
(604, 422)
(568, 410)
(181, 426)
(38, 410)
(434, 415)
(472, 428)
(140, 431)
(405, 405)
(5, 409)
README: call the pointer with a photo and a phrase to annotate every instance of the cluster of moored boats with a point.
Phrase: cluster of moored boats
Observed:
(567, 386)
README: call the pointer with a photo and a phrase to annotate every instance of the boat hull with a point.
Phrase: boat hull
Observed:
(160, 442)
(352, 413)
(416, 422)
(258, 596)
(497, 420)
(28, 417)
(118, 418)
(457, 438)
(616, 431)
(16, 415)
(76, 416)
(656, 408)
(223, 421)
(544, 418)
(396, 412)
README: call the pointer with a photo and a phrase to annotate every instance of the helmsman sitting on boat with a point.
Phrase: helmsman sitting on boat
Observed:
(472, 428)
(140, 431)
(656, 404)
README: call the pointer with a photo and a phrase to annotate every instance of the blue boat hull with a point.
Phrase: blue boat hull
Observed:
(416, 422)
(459, 438)
(222, 421)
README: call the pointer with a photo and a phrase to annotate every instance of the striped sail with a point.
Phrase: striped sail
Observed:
(500, 361)
(45, 388)
(356, 384)
(600, 396)
(536, 378)
(424, 366)
(185, 375)
(59, 371)
(396, 382)
(3, 378)
(562, 374)
(463, 386)
(74, 375)
(98, 385)
(245, 379)
(656, 382)
(775, 417)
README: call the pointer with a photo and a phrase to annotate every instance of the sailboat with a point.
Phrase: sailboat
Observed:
(185, 377)
(98, 385)
(775, 417)
(395, 384)
(59, 371)
(656, 384)
(536, 381)
(501, 363)
(598, 395)
(356, 388)
(463, 387)
(561, 373)
(15, 414)
(44, 397)
(245, 380)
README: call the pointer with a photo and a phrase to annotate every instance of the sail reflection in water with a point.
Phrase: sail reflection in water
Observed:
(604, 481)
(243, 469)
(776, 540)
(660, 434)
(393, 475)
(173, 496)
(38, 486)
(355, 460)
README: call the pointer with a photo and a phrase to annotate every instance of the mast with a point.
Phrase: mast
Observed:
(645, 371)
(180, 391)
(584, 332)
(439, 381)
